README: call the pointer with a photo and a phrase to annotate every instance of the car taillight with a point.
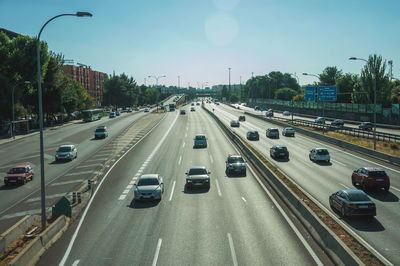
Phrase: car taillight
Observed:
(351, 205)
(371, 205)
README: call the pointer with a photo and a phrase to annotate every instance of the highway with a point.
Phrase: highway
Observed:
(320, 180)
(60, 177)
(235, 222)
(276, 114)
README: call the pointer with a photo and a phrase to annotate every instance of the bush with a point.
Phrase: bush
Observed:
(393, 145)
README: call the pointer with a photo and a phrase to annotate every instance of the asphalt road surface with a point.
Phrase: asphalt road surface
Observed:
(235, 222)
(322, 179)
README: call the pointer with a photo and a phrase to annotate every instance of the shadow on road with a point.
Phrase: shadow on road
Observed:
(381, 195)
(232, 175)
(324, 163)
(143, 204)
(193, 190)
(60, 162)
(9, 187)
(365, 224)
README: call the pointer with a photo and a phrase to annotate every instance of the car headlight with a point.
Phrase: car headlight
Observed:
(207, 180)
(57, 155)
(188, 180)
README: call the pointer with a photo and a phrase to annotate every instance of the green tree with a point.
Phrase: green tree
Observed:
(345, 86)
(285, 94)
(329, 76)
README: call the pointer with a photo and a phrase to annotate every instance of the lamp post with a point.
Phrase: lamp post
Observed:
(356, 58)
(43, 194)
(156, 78)
(13, 109)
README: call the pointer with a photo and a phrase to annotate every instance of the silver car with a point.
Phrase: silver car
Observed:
(149, 187)
(101, 132)
(198, 176)
(288, 131)
(319, 154)
(66, 152)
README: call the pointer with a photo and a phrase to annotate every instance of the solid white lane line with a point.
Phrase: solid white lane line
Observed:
(211, 158)
(183, 146)
(219, 190)
(71, 243)
(344, 186)
(157, 252)
(338, 162)
(172, 192)
(233, 253)
(395, 188)
(180, 159)
(245, 201)
(76, 262)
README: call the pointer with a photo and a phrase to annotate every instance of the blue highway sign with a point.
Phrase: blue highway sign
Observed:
(310, 94)
(327, 93)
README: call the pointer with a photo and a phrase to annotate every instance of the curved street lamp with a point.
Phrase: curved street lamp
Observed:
(366, 61)
(156, 78)
(42, 186)
(308, 74)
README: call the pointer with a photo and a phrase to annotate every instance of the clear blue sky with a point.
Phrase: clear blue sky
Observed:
(199, 39)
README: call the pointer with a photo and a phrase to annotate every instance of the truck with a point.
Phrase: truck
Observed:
(171, 107)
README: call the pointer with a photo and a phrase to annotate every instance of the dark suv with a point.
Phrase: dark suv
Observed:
(253, 135)
(279, 151)
(242, 118)
(337, 123)
(366, 126)
(370, 177)
(235, 165)
(272, 133)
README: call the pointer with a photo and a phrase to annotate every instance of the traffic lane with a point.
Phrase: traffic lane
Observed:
(320, 184)
(280, 115)
(108, 226)
(86, 149)
(344, 158)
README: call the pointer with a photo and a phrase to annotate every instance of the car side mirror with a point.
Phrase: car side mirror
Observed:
(209, 173)
(186, 173)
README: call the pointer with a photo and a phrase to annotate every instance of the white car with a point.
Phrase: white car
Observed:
(319, 154)
(146, 110)
(288, 131)
(149, 187)
(286, 113)
(66, 152)
(320, 120)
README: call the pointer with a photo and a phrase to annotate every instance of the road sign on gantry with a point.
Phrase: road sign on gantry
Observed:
(327, 93)
(310, 94)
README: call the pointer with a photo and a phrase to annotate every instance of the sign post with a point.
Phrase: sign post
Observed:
(326, 94)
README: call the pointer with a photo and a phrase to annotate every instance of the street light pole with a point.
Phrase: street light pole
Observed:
(42, 180)
(229, 79)
(355, 58)
(156, 78)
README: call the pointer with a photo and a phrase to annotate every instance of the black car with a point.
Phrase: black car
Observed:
(242, 118)
(337, 123)
(366, 126)
(253, 135)
(269, 113)
(352, 202)
(235, 165)
(279, 151)
(256, 107)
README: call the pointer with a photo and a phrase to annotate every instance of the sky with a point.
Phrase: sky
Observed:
(198, 40)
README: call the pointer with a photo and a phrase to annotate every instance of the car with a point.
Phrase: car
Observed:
(253, 135)
(136, 108)
(269, 113)
(352, 202)
(129, 110)
(256, 107)
(192, 109)
(217, 103)
(320, 120)
(183, 112)
(198, 176)
(235, 123)
(319, 154)
(149, 187)
(197, 103)
(19, 175)
(66, 152)
(337, 123)
(146, 110)
(112, 115)
(235, 164)
(237, 107)
(366, 126)
(192, 104)
(200, 140)
(370, 177)
(117, 113)
(242, 118)
(101, 132)
(272, 133)
(286, 113)
(279, 151)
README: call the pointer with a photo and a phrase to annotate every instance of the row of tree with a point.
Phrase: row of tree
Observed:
(123, 91)
(351, 88)
(18, 73)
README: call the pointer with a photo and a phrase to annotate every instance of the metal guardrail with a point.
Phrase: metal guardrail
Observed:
(345, 130)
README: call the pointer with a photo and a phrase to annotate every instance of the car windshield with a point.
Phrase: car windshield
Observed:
(64, 149)
(358, 197)
(322, 152)
(148, 182)
(200, 137)
(197, 171)
(289, 128)
(253, 132)
(235, 160)
(18, 170)
(377, 173)
(280, 148)
(100, 130)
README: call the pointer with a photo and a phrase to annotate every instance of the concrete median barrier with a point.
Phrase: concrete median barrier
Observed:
(336, 249)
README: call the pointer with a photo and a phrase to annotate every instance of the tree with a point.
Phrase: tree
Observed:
(345, 86)
(375, 68)
(329, 76)
(395, 95)
(285, 94)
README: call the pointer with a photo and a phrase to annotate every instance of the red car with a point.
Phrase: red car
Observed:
(19, 174)
(370, 177)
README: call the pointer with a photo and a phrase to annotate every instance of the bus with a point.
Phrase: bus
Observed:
(92, 114)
